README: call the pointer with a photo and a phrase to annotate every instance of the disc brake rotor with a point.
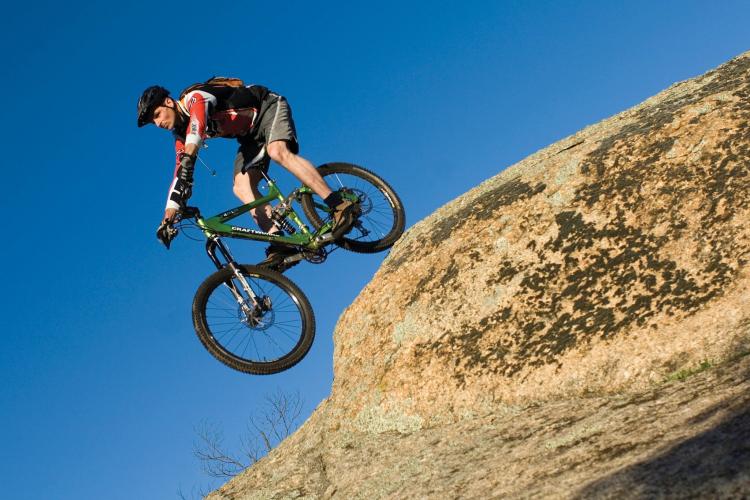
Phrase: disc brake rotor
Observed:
(365, 203)
(261, 316)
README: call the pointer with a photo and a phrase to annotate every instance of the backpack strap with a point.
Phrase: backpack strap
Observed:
(189, 89)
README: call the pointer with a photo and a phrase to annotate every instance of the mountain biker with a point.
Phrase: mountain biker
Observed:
(261, 121)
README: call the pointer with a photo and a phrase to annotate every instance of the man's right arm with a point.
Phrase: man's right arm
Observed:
(181, 187)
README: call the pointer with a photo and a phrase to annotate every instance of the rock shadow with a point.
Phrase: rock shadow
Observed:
(712, 464)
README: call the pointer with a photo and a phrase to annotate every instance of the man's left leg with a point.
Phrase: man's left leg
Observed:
(301, 168)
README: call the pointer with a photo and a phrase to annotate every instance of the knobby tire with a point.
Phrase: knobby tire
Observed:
(287, 344)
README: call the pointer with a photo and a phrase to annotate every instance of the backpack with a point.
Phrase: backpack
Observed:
(218, 81)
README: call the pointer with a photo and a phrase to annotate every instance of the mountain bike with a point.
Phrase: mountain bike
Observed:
(253, 318)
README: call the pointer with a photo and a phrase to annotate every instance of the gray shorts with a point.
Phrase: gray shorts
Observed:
(275, 123)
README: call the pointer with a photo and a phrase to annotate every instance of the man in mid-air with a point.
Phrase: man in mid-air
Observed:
(261, 121)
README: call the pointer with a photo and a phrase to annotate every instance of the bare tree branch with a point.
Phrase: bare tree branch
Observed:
(266, 428)
(209, 450)
(200, 494)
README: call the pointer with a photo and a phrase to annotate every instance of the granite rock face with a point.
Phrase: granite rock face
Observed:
(524, 339)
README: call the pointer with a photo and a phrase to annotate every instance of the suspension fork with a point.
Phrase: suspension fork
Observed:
(214, 243)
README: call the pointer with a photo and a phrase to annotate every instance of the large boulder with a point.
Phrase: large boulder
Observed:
(536, 335)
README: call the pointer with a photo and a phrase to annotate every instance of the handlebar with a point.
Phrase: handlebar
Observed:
(167, 232)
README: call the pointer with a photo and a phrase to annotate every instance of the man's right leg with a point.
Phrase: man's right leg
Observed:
(246, 189)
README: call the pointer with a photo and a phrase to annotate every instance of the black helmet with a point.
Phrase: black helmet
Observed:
(150, 99)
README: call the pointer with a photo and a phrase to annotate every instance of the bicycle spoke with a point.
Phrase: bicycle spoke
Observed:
(255, 348)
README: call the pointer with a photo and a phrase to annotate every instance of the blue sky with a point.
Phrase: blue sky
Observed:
(103, 379)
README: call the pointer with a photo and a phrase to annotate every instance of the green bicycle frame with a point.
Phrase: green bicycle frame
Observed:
(303, 237)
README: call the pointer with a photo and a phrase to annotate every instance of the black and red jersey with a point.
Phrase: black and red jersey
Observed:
(214, 111)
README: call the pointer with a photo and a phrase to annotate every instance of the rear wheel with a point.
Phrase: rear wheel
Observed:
(382, 218)
(255, 322)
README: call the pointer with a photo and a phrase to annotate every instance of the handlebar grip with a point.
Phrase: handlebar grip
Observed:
(166, 233)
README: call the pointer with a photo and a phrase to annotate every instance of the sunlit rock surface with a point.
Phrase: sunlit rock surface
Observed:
(575, 326)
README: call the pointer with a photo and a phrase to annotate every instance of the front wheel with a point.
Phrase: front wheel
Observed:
(255, 320)
(381, 221)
